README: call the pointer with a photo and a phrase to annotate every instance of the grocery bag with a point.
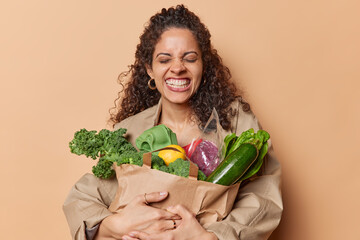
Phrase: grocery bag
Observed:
(210, 202)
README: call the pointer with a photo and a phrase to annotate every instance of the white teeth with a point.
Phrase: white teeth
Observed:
(177, 83)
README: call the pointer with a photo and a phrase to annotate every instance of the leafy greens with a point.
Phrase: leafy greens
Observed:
(112, 147)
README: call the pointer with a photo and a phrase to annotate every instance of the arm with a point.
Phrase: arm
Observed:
(188, 228)
(87, 204)
(86, 210)
(138, 215)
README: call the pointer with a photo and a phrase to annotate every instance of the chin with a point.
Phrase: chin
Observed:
(178, 100)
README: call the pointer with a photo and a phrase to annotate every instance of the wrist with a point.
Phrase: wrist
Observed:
(111, 227)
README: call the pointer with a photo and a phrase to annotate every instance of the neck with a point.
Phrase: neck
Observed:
(180, 119)
(175, 116)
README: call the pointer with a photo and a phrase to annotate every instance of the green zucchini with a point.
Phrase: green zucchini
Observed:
(234, 166)
(257, 164)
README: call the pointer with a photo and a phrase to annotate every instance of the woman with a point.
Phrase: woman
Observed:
(176, 80)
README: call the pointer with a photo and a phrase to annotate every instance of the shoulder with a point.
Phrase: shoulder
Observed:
(137, 123)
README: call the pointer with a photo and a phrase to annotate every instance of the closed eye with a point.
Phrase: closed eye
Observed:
(164, 60)
(190, 56)
(190, 60)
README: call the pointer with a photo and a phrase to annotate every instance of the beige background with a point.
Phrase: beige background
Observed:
(298, 62)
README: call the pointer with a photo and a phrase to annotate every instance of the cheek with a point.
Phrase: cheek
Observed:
(157, 74)
(198, 81)
(158, 83)
(198, 73)
(160, 71)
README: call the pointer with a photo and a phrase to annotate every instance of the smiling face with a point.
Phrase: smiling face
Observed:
(177, 65)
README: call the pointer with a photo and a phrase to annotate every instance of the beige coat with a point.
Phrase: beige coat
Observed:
(256, 212)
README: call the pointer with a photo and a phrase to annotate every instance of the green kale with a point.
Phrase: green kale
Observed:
(116, 143)
(114, 157)
(110, 146)
(134, 158)
(101, 138)
(103, 169)
(85, 143)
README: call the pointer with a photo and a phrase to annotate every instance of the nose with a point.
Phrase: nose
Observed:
(177, 66)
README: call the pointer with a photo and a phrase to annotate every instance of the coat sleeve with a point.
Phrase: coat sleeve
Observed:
(258, 207)
(87, 204)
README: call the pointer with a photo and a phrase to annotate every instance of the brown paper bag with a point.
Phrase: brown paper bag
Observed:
(210, 202)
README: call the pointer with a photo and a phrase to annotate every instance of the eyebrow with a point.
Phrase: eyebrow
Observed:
(168, 54)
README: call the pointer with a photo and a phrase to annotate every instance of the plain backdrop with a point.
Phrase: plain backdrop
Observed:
(296, 61)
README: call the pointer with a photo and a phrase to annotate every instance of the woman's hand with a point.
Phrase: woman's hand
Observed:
(137, 215)
(189, 228)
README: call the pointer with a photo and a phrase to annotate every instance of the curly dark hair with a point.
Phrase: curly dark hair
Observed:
(215, 91)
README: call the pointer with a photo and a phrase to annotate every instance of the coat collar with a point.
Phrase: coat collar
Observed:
(157, 114)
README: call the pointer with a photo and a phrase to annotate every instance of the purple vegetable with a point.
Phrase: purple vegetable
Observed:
(206, 157)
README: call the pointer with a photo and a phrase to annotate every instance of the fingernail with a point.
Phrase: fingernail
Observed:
(124, 238)
(163, 193)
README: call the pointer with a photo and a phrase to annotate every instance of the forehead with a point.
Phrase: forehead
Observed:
(177, 40)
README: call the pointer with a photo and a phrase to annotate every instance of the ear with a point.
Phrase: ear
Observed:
(149, 71)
